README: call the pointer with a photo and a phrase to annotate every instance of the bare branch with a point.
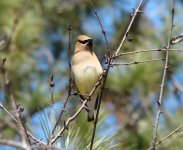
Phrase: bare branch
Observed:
(146, 51)
(9, 93)
(70, 86)
(98, 108)
(159, 101)
(177, 39)
(52, 84)
(136, 11)
(68, 122)
(6, 122)
(138, 62)
(17, 123)
(167, 136)
(13, 143)
(36, 141)
(109, 61)
(177, 85)
(9, 114)
(18, 15)
(102, 28)
(80, 109)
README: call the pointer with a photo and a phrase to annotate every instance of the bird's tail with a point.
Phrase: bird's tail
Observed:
(91, 107)
(90, 115)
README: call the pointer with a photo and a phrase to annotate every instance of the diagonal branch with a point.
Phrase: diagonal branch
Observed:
(110, 60)
(136, 11)
(101, 26)
(70, 86)
(6, 122)
(13, 143)
(9, 93)
(17, 123)
(66, 123)
(167, 136)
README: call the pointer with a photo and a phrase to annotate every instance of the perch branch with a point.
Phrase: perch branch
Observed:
(109, 64)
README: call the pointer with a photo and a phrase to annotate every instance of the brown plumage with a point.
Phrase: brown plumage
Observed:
(86, 69)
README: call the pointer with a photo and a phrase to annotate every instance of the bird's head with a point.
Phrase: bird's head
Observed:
(84, 43)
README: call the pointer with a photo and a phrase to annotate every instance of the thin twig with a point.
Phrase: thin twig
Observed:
(17, 123)
(105, 75)
(9, 114)
(99, 104)
(13, 143)
(6, 122)
(159, 101)
(18, 15)
(167, 136)
(66, 124)
(7, 83)
(109, 62)
(39, 142)
(136, 11)
(21, 145)
(101, 26)
(138, 62)
(177, 85)
(70, 86)
(52, 84)
(8, 89)
(9, 93)
(146, 51)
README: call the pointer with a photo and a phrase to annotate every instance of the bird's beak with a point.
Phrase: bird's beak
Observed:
(90, 42)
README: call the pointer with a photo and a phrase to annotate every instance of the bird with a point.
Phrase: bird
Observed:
(86, 70)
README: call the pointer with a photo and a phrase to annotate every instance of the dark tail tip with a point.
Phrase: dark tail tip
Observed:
(91, 118)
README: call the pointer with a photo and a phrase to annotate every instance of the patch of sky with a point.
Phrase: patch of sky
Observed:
(172, 102)
(155, 11)
(126, 5)
(108, 15)
(2, 97)
(47, 118)
(7, 148)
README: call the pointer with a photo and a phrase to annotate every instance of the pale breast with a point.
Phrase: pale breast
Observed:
(86, 74)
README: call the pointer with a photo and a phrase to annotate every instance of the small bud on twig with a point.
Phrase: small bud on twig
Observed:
(65, 125)
(4, 60)
(52, 84)
(19, 108)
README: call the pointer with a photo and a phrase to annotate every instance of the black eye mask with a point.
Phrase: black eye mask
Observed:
(85, 41)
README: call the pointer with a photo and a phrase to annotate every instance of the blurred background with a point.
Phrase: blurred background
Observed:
(34, 41)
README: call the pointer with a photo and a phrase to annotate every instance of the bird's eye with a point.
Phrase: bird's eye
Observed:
(84, 42)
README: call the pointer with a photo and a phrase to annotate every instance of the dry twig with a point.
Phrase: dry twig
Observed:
(159, 101)
(167, 136)
(138, 62)
(110, 60)
(69, 90)
(146, 51)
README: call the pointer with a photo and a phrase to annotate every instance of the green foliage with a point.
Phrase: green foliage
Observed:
(37, 47)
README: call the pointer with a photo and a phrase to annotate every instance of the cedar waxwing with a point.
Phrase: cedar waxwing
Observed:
(86, 69)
